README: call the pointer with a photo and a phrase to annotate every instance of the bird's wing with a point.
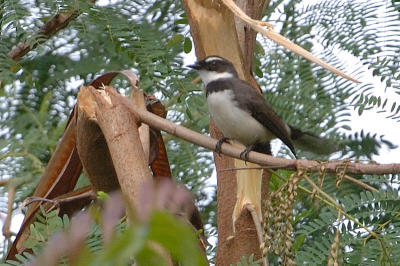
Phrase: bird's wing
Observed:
(262, 112)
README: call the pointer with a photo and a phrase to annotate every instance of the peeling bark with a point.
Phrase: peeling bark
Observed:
(120, 129)
(92, 146)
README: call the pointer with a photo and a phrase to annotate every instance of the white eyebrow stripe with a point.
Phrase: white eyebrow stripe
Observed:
(212, 58)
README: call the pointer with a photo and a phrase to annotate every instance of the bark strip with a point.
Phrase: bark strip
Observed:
(120, 129)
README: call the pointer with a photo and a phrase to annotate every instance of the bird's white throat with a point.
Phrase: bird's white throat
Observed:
(209, 76)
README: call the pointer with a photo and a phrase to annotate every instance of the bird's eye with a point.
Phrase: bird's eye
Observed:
(213, 64)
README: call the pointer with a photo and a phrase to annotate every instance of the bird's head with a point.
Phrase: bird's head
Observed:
(213, 68)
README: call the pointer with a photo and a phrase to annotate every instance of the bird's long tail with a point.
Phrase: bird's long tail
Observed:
(311, 143)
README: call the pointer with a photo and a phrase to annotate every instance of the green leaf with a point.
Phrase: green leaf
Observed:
(189, 113)
(182, 21)
(149, 256)
(177, 237)
(259, 49)
(187, 45)
(102, 195)
(44, 107)
(361, 109)
(175, 40)
(258, 72)
(299, 241)
(126, 245)
(346, 127)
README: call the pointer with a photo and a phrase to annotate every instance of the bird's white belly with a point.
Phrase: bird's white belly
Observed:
(234, 122)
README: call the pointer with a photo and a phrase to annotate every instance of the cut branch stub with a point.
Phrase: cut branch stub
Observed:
(120, 129)
(92, 146)
(65, 167)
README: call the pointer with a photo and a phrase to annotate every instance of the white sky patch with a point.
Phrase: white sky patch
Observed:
(16, 223)
(371, 121)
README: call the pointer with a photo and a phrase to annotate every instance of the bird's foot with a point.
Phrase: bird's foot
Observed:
(244, 155)
(219, 144)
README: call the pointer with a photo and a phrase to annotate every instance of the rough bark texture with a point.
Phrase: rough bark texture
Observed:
(92, 145)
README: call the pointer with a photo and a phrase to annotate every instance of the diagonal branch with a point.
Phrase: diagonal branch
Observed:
(54, 25)
(279, 39)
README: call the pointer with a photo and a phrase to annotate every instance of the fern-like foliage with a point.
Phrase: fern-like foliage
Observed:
(316, 101)
(375, 211)
(305, 95)
(366, 223)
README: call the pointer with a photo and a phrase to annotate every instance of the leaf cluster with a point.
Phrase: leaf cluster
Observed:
(368, 227)
(364, 33)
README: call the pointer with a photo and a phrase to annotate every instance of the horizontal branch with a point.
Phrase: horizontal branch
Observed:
(159, 123)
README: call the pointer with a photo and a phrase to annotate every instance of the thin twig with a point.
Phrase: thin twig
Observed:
(36, 161)
(360, 183)
(33, 199)
(7, 222)
(54, 25)
(334, 205)
(57, 201)
(346, 177)
(338, 206)
(4, 182)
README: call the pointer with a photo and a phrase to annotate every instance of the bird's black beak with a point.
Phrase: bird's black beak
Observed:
(196, 66)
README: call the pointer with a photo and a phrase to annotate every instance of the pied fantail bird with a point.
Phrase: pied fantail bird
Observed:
(238, 109)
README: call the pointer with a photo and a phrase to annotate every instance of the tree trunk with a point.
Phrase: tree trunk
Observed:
(215, 31)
